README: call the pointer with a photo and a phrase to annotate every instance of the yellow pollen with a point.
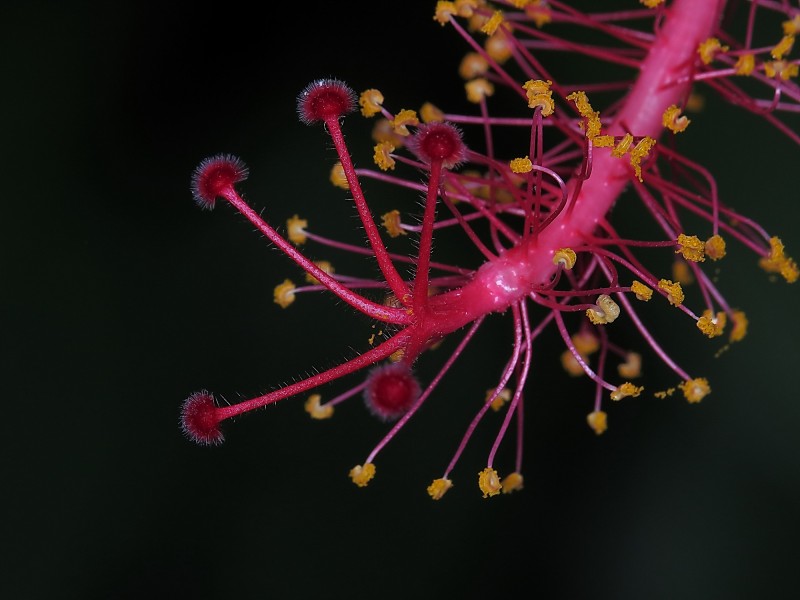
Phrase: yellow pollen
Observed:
(745, 64)
(781, 69)
(592, 123)
(565, 257)
(493, 23)
(521, 165)
(383, 131)
(403, 120)
(632, 367)
(539, 12)
(585, 342)
(709, 49)
(712, 325)
(739, 329)
(489, 482)
(598, 421)
(466, 8)
(317, 410)
(370, 101)
(792, 27)
(383, 155)
(473, 65)
(691, 248)
(391, 222)
(283, 293)
(639, 152)
(641, 291)
(498, 48)
(478, 89)
(673, 290)
(499, 400)
(622, 146)
(439, 487)
(606, 311)
(540, 95)
(430, 113)
(397, 355)
(652, 3)
(778, 262)
(783, 47)
(520, 3)
(681, 272)
(512, 483)
(673, 120)
(295, 227)
(571, 365)
(361, 475)
(696, 389)
(625, 390)
(325, 266)
(715, 247)
(444, 11)
(337, 176)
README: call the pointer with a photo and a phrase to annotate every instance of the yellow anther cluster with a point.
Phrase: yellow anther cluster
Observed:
(641, 291)
(499, 400)
(383, 155)
(295, 228)
(783, 47)
(439, 487)
(493, 23)
(673, 290)
(777, 261)
(639, 152)
(521, 165)
(652, 3)
(403, 120)
(444, 11)
(338, 177)
(781, 69)
(283, 294)
(391, 222)
(498, 47)
(792, 27)
(430, 113)
(691, 248)
(715, 247)
(538, 11)
(383, 131)
(370, 101)
(632, 367)
(696, 389)
(489, 482)
(512, 483)
(586, 343)
(712, 325)
(474, 64)
(591, 124)
(540, 95)
(361, 475)
(520, 3)
(598, 421)
(606, 310)
(626, 390)
(478, 89)
(565, 257)
(709, 49)
(681, 272)
(739, 329)
(325, 266)
(673, 120)
(745, 64)
(622, 146)
(317, 410)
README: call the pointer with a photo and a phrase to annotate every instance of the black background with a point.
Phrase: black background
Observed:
(120, 298)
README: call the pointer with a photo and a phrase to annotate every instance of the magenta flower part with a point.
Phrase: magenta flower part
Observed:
(530, 179)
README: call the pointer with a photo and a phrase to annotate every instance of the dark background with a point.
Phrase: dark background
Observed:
(120, 298)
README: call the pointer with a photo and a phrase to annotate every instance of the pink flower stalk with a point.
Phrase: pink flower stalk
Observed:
(541, 218)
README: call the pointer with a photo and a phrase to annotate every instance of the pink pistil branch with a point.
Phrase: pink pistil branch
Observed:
(539, 220)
